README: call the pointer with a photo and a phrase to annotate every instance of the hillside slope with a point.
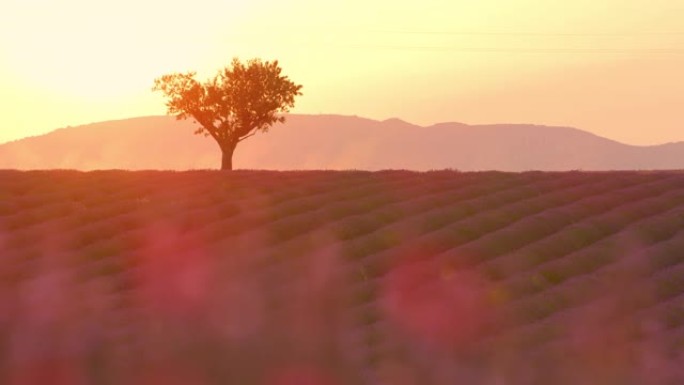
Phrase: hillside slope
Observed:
(308, 142)
(341, 277)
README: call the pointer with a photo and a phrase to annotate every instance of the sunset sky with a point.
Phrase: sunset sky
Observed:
(612, 67)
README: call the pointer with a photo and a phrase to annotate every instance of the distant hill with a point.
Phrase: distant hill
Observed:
(335, 142)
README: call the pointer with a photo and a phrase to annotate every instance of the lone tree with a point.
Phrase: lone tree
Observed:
(239, 101)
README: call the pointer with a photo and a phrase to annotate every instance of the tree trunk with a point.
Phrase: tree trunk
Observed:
(227, 156)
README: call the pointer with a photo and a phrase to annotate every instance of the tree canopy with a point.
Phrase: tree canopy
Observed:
(239, 101)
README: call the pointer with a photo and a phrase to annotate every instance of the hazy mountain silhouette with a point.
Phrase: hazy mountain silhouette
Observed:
(335, 142)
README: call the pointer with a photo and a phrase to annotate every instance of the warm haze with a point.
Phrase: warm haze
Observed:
(610, 67)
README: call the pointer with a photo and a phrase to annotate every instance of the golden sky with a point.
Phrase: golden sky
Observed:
(612, 67)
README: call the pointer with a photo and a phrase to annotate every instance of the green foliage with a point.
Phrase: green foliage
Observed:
(102, 250)
(667, 255)
(372, 337)
(356, 227)
(439, 219)
(657, 232)
(369, 315)
(580, 236)
(493, 273)
(283, 230)
(109, 267)
(670, 286)
(553, 276)
(363, 247)
(367, 292)
(543, 306)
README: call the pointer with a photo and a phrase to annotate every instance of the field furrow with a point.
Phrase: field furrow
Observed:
(372, 278)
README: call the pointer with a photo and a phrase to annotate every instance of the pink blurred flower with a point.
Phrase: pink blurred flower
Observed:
(174, 272)
(54, 372)
(439, 306)
(170, 375)
(298, 375)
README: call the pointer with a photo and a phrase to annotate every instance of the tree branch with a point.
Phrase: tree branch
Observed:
(214, 134)
(207, 126)
(246, 136)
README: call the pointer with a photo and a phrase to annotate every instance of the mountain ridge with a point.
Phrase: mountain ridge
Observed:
(329, 141)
